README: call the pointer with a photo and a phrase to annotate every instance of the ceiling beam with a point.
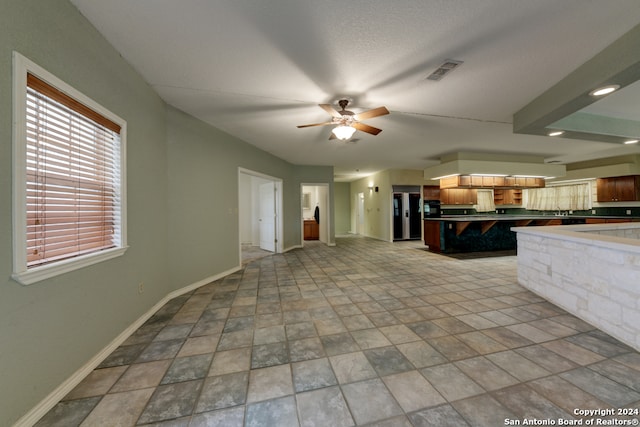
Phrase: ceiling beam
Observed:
(619, 64)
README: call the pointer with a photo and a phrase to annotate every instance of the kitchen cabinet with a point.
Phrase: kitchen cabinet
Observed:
(430, 192)
(482, 181)
(618, 189)
(311, 229)
(458, 196)
(432, 235)
(609, 220)
(507, 196)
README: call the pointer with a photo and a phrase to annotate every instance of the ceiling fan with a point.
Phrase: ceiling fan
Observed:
(347, 122)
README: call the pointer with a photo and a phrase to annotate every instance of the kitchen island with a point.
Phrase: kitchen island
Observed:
(475, 233)
(589, 270)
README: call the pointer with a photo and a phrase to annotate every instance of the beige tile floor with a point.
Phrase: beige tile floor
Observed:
(363, 333)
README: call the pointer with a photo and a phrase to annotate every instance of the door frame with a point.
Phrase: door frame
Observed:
(325, 231)
(278, 223)
(266, 215)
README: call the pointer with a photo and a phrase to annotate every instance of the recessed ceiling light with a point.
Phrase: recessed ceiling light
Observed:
(605, 90)
(631, 141)
(556, 133)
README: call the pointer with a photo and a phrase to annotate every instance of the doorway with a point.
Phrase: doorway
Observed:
(407, 217)
(315, 213)
(259, 207)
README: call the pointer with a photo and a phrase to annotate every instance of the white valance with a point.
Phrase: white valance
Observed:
(485, 201)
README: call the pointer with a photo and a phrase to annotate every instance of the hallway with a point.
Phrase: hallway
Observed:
(363, 333)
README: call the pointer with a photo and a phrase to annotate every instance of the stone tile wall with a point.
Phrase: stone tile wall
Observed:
(595, 278)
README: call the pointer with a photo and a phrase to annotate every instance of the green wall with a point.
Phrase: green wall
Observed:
(50, 329)
(203, 196)
(342, 203)
(182, 183)
(377, 205)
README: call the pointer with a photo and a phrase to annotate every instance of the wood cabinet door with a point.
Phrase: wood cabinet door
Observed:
(444, 196)
(458, 196)
(449, 182)
(476, 181)
(464, 181)
(618, 189)
(431, 192)
(595, 221)
(432, 235)
(470, 197)
(605, 189)
(625, 188)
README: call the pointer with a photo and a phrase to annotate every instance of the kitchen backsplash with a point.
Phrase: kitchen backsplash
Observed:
(600, 211)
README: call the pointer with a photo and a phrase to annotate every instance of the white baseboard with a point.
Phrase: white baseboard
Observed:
(39, 411)
(290, 248)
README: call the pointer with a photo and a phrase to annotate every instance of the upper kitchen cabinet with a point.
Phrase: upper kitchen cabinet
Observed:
(491, 181)
(619, 189)
(458, 196)
(507, 197)
(431, 192)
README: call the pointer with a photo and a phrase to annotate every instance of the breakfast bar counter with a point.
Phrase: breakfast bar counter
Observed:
(472, 233)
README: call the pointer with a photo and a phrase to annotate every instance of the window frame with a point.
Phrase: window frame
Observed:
(21, 273)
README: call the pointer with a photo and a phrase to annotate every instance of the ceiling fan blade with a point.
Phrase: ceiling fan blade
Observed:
(380, 111)
(329, 109)
(366, 128)
(315, 124)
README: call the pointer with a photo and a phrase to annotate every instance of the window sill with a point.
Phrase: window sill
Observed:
(38, 274)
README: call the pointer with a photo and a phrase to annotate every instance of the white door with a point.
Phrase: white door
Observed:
(267, 218)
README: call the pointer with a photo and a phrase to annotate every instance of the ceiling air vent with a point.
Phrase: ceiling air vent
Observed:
(448, 66)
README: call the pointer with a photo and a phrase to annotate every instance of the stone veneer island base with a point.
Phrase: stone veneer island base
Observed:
(591, 271)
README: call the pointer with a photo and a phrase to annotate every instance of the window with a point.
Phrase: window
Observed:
(570, 197)
(68, 177)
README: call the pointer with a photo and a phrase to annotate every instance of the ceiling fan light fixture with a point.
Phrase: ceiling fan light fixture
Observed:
(343, 132)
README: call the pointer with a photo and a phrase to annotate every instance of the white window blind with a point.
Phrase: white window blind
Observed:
(72, 177)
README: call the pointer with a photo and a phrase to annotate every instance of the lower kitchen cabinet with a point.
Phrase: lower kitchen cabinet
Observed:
(432, 235)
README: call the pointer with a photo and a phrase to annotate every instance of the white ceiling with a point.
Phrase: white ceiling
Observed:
(256, 69)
